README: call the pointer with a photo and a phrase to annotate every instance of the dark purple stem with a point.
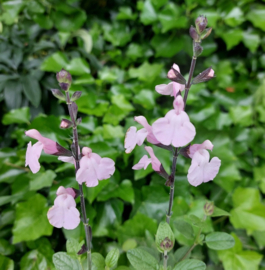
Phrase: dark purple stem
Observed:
(82, 200)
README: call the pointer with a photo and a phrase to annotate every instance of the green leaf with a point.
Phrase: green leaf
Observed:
(42, 179)
(235, 17)
(164, 232)
(33, 260)
(167, 45)
(31, 220)
(43, 21)
(257, 16)
(12, 93)
(242, 115)
(129, 244)
(146, 72)
(17, 116)
(98, 261)
(251, 40)
(168, 16)
(6, 248)
(217, 212)
(145, 98)
(248, 212)
(190, 264)
(62, 261)
(219, 241)
(148, 14)
(238, 259)
(87, 39)
(141, 259)
(32, 89)
(69, 22)
(125, 13)
(54, 62)
(112, 258)
(184, 228)
(6, 263)
(232, 37)
(78, 66)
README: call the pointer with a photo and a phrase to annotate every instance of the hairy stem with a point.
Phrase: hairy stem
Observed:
(165, 260)
(82, 200)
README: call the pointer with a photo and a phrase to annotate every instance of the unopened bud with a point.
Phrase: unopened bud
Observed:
(206, 33)
(58, 94)
(205, 76)
(65, 79)
(76, 95)
(194, 34)
(197, 49)
(78, 120)
(75, 109)
(201, 23)
(166, 244)
(175, 76)
(208, 208)
(66, 124)
(82, 250)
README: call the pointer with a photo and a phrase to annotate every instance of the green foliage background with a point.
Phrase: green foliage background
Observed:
(117, 51)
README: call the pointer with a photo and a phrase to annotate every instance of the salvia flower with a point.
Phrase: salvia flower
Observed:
(171, 89)
(47, 145)
(64, 213)
(202, 170)
(175, 75)
(195, 147)
(145, 161)
(94, 168)
(175, 128)
(134, 137)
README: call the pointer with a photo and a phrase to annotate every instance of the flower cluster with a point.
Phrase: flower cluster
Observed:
(175, 130)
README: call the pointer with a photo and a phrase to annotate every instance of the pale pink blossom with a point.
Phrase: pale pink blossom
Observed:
(33, 152)
(94, 168)
(211, 73)
(171, 74)
(64, 213)
(171, 89)
(145, 161)
(201, 170)
(175, 128)
(134, 137)
(195, 147)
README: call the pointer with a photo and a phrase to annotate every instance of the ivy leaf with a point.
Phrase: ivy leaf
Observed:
(17, 116)
(148, 14)
(6, 263)
(257, 16)
(54, 62)
(31, 220)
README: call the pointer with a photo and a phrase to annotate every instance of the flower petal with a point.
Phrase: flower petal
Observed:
(154, 160)
(143, 163)
(32, 156)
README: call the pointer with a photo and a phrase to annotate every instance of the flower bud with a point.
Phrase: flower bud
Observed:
(66, 124)
(197, 49)
(78, 120)
(208, 208)
(206, 33)
(82, 250)
(166, 244)
(76, 95)
(205, 76)
(194, 34)
(201, 23)
(65, 79)
(58, 94)
(175, 76)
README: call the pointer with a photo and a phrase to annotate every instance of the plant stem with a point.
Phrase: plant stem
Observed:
(188, 252)
(165, 260)
(82, 200)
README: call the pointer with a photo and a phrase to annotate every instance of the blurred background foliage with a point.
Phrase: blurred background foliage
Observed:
(117, 51)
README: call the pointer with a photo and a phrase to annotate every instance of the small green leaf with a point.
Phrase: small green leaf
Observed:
(190, 264)
(148, 14)
(31, 220)
(6, 263)
(32, 90)
(234, 17)
(141, 259)
(33, 260)
(257, 16)
(219, 241)
(17, 116)
(78, 66)
(98, 261)
(42, 179)
(54, 62)
(129, 244)
(6, 248)
(62, 261)
(87, 39)
(112, 258)
(251, 40)
(184, 228)
(164, 233)
(219, 212)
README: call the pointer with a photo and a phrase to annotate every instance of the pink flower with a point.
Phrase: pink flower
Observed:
(211, 73)
(175, 128)
(201, 170)
(171, 74)
(195, 147)
(64, 213)
(33, 152)
(145, 161)
(134, 137)
(94, 168)
(171, 89)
